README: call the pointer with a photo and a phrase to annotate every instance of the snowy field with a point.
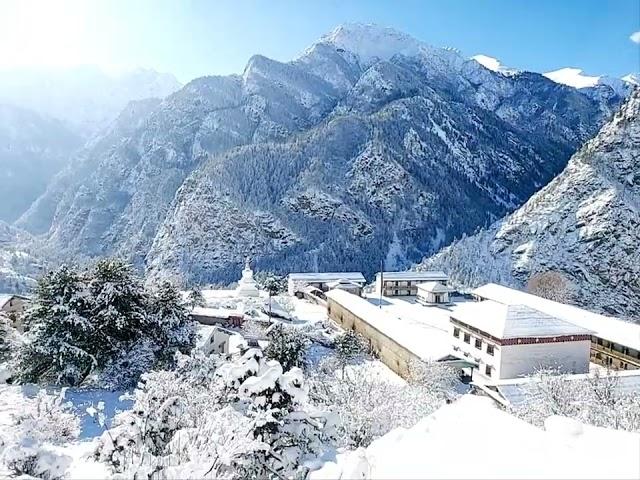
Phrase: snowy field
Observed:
(473, 439)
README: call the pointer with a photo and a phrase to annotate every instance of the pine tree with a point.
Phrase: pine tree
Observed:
(287, 345)
(6, 336)
(60, 342)
(173, 328)
(348, 346)
(195, 298)
(118, 305)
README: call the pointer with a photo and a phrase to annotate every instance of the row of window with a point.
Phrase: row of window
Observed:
(466, 338)
(619, 348)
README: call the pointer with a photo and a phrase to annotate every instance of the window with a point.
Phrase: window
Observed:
(487, 370)
(489, 349)
(478, 344)
(467, 338)
(456, 332)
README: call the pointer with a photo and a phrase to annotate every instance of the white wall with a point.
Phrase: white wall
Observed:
(481, 354)
(520, 360)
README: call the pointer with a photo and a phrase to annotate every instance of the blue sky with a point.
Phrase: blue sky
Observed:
(191, 38)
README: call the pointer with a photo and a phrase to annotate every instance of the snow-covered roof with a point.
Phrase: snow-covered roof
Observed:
(515, 391)
(513, 321)
(411, 275)
(472, 438)
(419, 337)
(433, 287)
(607, 328)
(4, 299)
(327, 277)
(343, 282)
(213, 312)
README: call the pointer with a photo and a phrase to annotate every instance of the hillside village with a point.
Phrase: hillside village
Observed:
(371, 257)
(497, 344)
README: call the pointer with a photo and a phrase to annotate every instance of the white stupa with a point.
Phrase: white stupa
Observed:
(247, 285)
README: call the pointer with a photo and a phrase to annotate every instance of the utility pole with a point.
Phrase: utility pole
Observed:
(381, 282)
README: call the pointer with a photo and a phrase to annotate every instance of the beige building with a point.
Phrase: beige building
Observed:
(13, 306)
(398, 342)
(396, 284)
(615, 343)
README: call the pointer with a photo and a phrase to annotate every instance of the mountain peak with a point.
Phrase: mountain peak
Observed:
(369, 41)
(573, 77)
(492, 64)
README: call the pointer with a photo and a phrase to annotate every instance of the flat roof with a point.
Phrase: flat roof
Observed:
(419, 337)
(513, 321)
(605, 327)
(411, 275)
(327, 276)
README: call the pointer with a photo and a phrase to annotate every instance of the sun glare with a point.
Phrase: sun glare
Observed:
(43, 33)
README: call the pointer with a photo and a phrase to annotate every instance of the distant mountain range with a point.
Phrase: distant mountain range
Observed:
(85, 99)
(46, 116)
(585, 224)
(370, 146)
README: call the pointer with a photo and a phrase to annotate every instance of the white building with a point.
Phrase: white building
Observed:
(430, 293)
(393, 284)
(614, 344)
(223, 341)
(297, 282)
(510, 341)
(346, 285)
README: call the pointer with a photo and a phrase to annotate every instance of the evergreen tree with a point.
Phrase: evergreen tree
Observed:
(287, 345)
(118, 305)
(272, 284)
(173, 328)
(103, 323)
(195, 298)
(60, 342)
(348, 346)
(6, 336)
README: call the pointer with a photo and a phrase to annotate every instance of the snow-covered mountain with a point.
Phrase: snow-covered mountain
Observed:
(371, 145)
(18, 267)
(575, 77)
(585, 224)
(493, 64)
(85, 98)
(33, 148)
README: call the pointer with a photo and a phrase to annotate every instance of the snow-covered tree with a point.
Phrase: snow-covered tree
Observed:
(60, 344)
(170, 322)
(101, 326)
(287, 345)
(369, 405)
(195, 298)
(210, 418)
(118, 305)
(272, 284)
(348, 346)
(597, 400)
(27, 445)
(9, 338)
(551, 285)
(438, 378)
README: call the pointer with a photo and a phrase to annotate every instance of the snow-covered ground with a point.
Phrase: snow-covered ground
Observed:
(471, 438)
